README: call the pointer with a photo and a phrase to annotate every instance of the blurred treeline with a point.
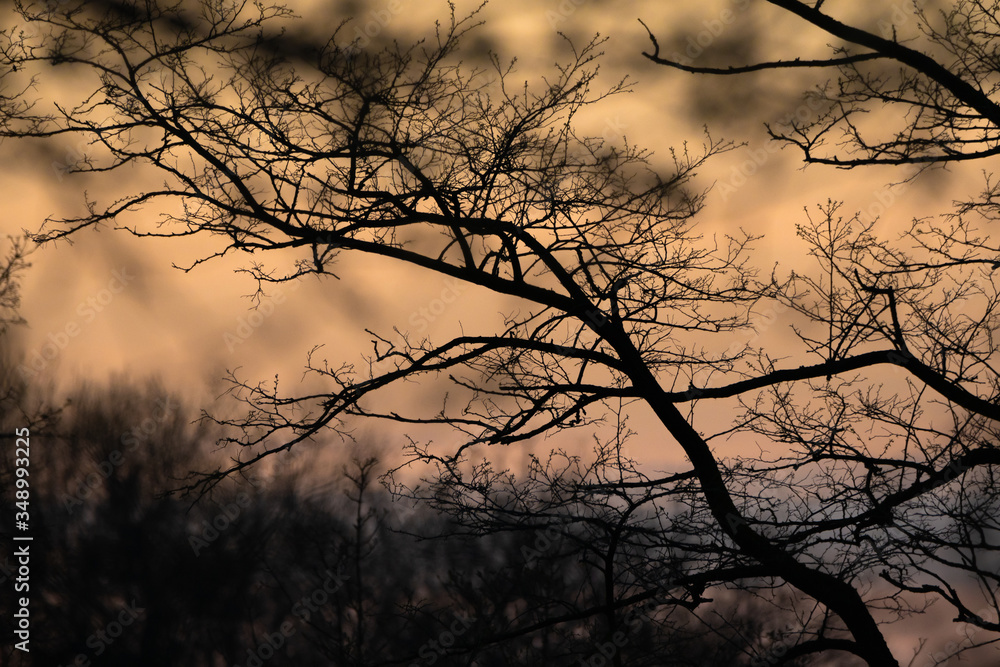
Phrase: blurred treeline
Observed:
(304, 565)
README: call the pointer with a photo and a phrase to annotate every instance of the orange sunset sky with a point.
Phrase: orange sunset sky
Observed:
(111, 304)
(188, 328)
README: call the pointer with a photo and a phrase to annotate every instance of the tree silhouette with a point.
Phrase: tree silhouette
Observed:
(464, 173)
(931, 297)
(217, 579)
